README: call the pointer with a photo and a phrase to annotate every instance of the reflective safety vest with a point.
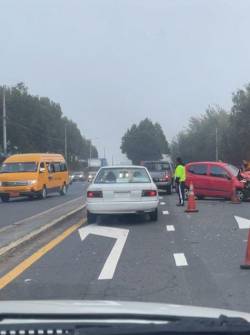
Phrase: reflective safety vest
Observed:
(180, 173)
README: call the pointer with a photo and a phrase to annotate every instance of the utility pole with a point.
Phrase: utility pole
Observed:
(65, 143)
(90, 149)
(216, 144)
(4, 124)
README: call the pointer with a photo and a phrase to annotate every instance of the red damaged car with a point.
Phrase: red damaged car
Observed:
(217, 179)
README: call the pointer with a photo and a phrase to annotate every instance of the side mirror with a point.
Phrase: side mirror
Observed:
(42, 170)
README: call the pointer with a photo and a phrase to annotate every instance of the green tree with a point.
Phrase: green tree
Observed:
(144, 142)
(198, 141)
(37, 124)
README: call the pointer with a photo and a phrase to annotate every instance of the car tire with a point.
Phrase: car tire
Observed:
(43, 193)
(91, 218)
(154, 215)
(186, 193)
(63, 190)
(169, 189)
(5, 198)
(240, 195)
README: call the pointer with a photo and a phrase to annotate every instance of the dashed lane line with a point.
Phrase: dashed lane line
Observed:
(180, 259)
(165, 212)
(162, 203)
(170, 228)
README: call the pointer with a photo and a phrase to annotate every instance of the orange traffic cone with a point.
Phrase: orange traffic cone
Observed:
(234, 198)
(191, 206)
(246, 266)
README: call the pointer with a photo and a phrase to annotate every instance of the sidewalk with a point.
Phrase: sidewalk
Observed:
(15, 234)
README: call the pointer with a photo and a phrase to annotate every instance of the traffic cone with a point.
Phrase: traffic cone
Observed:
(191, 205)
(234, 198)
(246, 265)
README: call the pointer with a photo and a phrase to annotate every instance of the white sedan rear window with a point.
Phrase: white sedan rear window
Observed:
(122, 175)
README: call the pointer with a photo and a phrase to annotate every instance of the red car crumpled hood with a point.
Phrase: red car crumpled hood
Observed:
(246, 175)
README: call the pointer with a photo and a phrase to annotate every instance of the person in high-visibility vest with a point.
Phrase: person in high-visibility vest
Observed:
(180, 178)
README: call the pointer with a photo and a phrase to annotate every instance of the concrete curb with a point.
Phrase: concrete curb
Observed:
(8, 248)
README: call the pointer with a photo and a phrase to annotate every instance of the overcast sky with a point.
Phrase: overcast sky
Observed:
(111, 63)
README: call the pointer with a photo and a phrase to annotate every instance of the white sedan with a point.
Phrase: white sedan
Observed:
(122, 190)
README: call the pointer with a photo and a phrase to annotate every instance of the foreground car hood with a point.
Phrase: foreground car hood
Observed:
(112, 307)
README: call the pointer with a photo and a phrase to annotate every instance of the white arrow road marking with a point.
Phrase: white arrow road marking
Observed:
(242, 223)
(170, 228)
(119, 234)
(180, 259)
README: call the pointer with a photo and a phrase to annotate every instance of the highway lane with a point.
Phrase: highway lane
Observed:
(183, 258)
(21, 208)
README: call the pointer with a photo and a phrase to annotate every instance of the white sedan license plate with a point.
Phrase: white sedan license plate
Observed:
(122, 194)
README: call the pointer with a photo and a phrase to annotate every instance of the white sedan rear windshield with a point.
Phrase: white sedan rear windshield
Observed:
(122, 175)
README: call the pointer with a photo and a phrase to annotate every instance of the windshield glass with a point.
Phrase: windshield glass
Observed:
(122, 175)
(233, 169)
(157, 166)
(18, 167)
(146, 103)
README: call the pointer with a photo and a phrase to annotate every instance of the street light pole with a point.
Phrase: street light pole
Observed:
(90, 149)
(4, 124)
(216, 144)
(65, 142)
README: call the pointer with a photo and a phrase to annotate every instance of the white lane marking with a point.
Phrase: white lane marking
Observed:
(170, 228)
(162, 203)
(180, 259)
(160, 198)
(165, 212)
(242, 222)
(119, 234)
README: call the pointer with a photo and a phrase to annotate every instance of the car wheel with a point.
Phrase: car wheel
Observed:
(240, 195)
(154, 215)
(63, 190)
(186, 193)
(169, 189)
(5, 198)
(91, 218)
(43, 193)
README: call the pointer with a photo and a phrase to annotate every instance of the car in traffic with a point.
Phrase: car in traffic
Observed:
(162, 173)
(78, 176)
(122, 190)
(216, 179)
(91, 176)
(33, 175)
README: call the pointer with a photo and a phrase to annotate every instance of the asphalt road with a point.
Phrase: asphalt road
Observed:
(20, 208)
(191, 259)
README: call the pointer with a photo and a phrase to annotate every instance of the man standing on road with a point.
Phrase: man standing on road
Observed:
(180, 178)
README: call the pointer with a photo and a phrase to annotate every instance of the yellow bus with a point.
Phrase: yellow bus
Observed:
(33, 175)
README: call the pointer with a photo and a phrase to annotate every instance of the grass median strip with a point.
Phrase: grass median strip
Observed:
(24, 265)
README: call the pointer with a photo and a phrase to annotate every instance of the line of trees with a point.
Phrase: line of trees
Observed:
(37, 124)
(145, 141)
(198, 140)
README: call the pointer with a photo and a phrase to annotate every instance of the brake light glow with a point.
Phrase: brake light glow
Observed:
(149, 193)
(94, 194)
